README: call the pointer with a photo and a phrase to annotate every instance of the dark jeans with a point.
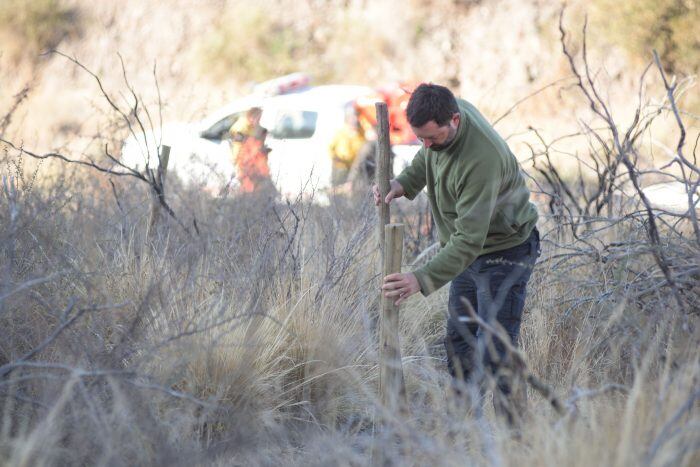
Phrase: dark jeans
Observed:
(494, 286)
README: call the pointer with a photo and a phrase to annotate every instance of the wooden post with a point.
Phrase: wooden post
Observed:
(391, 383)
(160, 184)
(382, 170)
(392, 392)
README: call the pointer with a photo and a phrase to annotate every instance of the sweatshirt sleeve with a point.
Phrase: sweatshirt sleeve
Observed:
(477, 191)
(412, 179)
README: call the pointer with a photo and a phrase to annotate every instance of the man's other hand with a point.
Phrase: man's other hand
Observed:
(401, 285)
(395, 191)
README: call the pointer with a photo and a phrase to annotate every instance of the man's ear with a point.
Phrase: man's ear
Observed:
(455, 118)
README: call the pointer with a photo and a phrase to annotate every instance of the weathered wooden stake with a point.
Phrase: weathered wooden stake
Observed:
(391, 384)
(160, 183)
(382, 170)
(392, 391)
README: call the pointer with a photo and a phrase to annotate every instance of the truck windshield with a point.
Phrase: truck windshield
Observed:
(219, 130)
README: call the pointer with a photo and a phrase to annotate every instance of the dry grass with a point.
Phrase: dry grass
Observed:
(244, 346)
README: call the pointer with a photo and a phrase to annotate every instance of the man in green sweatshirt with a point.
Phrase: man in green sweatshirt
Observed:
(486, 225)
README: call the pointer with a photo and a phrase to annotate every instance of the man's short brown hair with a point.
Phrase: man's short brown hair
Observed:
(431, 102)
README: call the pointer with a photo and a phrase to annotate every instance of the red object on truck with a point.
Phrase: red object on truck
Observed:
(396, 96)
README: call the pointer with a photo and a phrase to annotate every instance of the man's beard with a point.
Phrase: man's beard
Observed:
(450, 138)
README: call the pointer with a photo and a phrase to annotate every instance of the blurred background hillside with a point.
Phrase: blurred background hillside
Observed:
(206, 52)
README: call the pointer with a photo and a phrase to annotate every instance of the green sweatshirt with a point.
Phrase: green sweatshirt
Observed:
(477, 194)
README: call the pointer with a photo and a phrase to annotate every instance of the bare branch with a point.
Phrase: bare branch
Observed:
(31, 283)
(520, 364)
(151, 181)
(526, 98)
(65, 324)
(18, 99)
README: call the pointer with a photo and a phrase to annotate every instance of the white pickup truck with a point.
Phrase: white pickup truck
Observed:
(301, 125)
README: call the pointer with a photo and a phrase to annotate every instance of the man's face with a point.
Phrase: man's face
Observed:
(437, 137)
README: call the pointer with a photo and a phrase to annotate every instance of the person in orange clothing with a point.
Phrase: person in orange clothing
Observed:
(249, 151)
(251, 163)
(243, 128)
